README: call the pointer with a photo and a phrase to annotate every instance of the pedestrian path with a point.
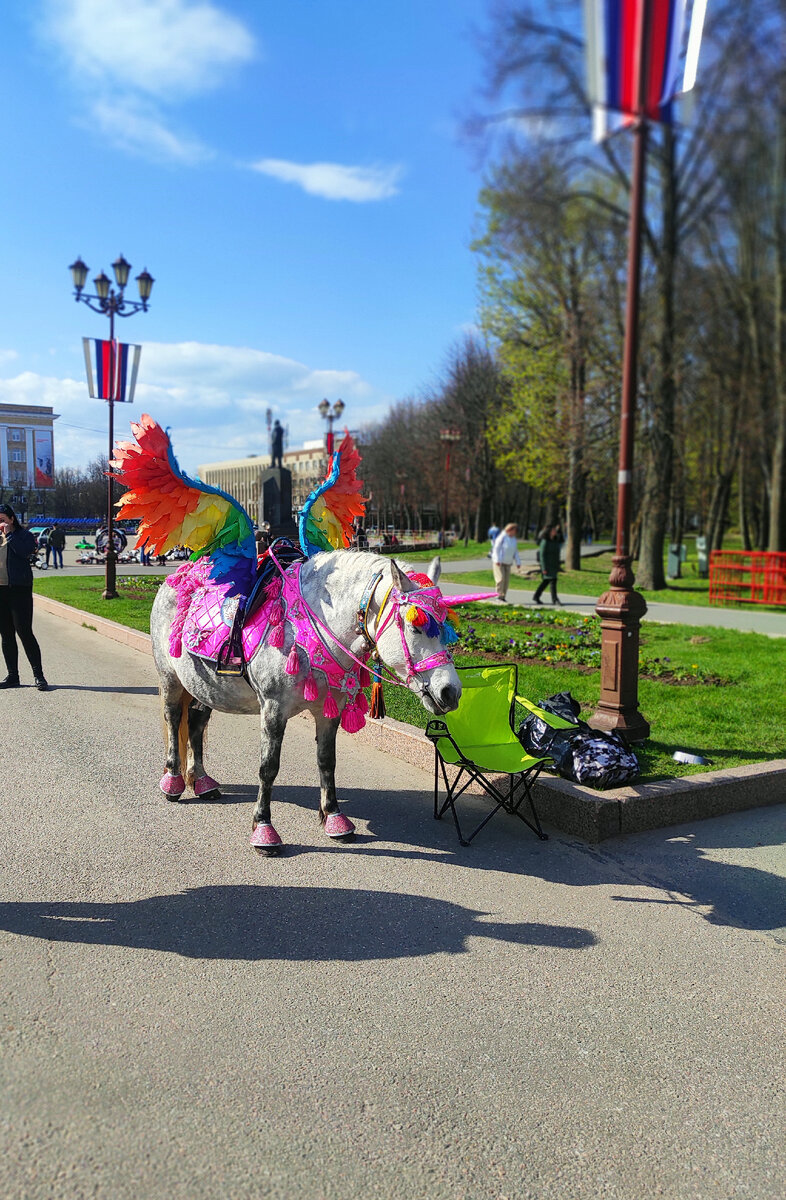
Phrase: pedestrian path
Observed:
(745, 620)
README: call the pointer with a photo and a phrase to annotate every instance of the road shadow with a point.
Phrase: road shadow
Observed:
(87, 687)
(256, 923)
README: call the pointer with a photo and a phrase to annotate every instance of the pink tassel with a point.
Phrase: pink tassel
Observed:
(293, 662)
(364, 675)
(276, 638)
(351, 719)
(361, 703)
(310, 691)
(276, 614)
(330, 708)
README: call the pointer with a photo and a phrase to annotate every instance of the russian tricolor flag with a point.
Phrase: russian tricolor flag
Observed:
(115, 369)
(613, 31)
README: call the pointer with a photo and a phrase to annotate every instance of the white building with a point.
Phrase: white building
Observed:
(27, 458)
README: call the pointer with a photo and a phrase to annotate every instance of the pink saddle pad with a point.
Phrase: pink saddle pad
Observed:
(209, 621)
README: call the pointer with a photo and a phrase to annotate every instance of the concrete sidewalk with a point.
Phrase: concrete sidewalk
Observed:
(395, 1019)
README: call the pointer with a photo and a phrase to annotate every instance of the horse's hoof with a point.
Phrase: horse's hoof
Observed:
(206, 788)
(265, 840)
(339, 827)
(172, 786)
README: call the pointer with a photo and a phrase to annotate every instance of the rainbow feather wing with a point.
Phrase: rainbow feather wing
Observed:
(327, 516)
(174, 510)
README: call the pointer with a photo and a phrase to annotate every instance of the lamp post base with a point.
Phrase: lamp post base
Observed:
(620, 610)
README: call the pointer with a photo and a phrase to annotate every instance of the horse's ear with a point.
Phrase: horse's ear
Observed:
(434, 569)
(400, 580)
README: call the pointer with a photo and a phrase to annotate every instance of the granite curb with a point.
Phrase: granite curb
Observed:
(590, 815)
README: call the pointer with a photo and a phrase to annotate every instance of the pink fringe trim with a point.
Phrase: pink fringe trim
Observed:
(293, 662)
(361, 703)
(276, 637)
(310, 690)
(330, 708)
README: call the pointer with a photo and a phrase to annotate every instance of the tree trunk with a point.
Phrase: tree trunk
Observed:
(658, 473)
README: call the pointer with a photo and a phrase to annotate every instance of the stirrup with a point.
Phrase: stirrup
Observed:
(228, 663)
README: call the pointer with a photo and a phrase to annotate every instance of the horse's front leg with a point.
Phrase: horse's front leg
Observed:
(264, 837)
(336, 824)
(204, 786)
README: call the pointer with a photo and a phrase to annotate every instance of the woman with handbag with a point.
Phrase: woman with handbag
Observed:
(17, 545)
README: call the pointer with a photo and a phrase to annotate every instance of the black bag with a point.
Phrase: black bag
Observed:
(589, 756)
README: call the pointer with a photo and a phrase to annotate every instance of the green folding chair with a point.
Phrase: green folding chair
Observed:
(479, 741)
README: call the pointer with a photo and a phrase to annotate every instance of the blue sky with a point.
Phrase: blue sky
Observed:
(293, 176)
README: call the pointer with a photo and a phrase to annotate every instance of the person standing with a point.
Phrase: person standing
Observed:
(549, 547)
(492, 535)
(504, 554)
(57, 543)
(16, 600)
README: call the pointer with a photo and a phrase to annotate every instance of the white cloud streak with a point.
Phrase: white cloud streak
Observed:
(162, 48)
(333, 181)
(215, 399)
(129, 59)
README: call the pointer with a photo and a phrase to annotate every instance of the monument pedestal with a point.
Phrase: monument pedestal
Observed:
(275, 503)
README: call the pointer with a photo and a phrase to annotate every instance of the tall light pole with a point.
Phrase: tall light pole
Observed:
(448, 436)
(330, 415)
(110, 302)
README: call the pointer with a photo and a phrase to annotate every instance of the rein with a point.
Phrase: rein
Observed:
(426, 664)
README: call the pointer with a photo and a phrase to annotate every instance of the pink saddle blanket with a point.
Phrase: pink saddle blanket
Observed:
(209, 620)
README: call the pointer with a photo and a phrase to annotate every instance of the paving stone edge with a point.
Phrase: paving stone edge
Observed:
(590, 815)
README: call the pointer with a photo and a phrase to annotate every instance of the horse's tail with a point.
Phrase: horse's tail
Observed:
(182, 739)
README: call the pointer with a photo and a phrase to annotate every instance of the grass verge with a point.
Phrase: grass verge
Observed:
(714, 692)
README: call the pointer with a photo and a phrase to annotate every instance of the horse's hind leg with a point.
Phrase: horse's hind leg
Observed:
(337, 826)
(196, 776)
(264, 838)
(175, 701)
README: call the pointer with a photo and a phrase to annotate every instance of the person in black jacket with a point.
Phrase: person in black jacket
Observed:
(16, 599)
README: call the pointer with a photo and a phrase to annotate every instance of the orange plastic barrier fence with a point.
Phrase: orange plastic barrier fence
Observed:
(747, 577)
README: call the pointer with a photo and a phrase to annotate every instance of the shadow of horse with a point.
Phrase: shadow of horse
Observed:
(297, 924)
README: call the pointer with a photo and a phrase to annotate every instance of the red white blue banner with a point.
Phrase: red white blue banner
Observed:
(616, 30)
(116, 369)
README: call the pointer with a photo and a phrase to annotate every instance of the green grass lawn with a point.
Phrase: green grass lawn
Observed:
(710, 691)
(132, 606)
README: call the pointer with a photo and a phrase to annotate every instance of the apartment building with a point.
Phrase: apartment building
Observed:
(241, 478)
(27, 458)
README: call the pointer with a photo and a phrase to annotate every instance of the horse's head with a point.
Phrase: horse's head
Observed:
(413, 636)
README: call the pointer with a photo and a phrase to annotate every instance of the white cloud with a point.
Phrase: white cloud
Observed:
(132, 128)
(127, 59)
(213, 397)
(333, 181)
(7, 356)
(163, 48)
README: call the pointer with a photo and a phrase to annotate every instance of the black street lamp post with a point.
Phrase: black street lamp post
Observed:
(330, 415)
(111, 303)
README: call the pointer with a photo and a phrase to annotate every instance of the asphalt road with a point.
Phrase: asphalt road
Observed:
(398, 1018)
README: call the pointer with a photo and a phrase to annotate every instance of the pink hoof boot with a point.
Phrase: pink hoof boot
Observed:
(265, 840)
(205, 786)
(338, 826)
(172, 786)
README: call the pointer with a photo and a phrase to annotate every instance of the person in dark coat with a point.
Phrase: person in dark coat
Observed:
(549, 548)
(17, 545)
(57, 541)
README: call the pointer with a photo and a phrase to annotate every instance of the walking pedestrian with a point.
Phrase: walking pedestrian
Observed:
(549, 547)
(16, 600)
(492, 535)
(503, 555)
(57, 544)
